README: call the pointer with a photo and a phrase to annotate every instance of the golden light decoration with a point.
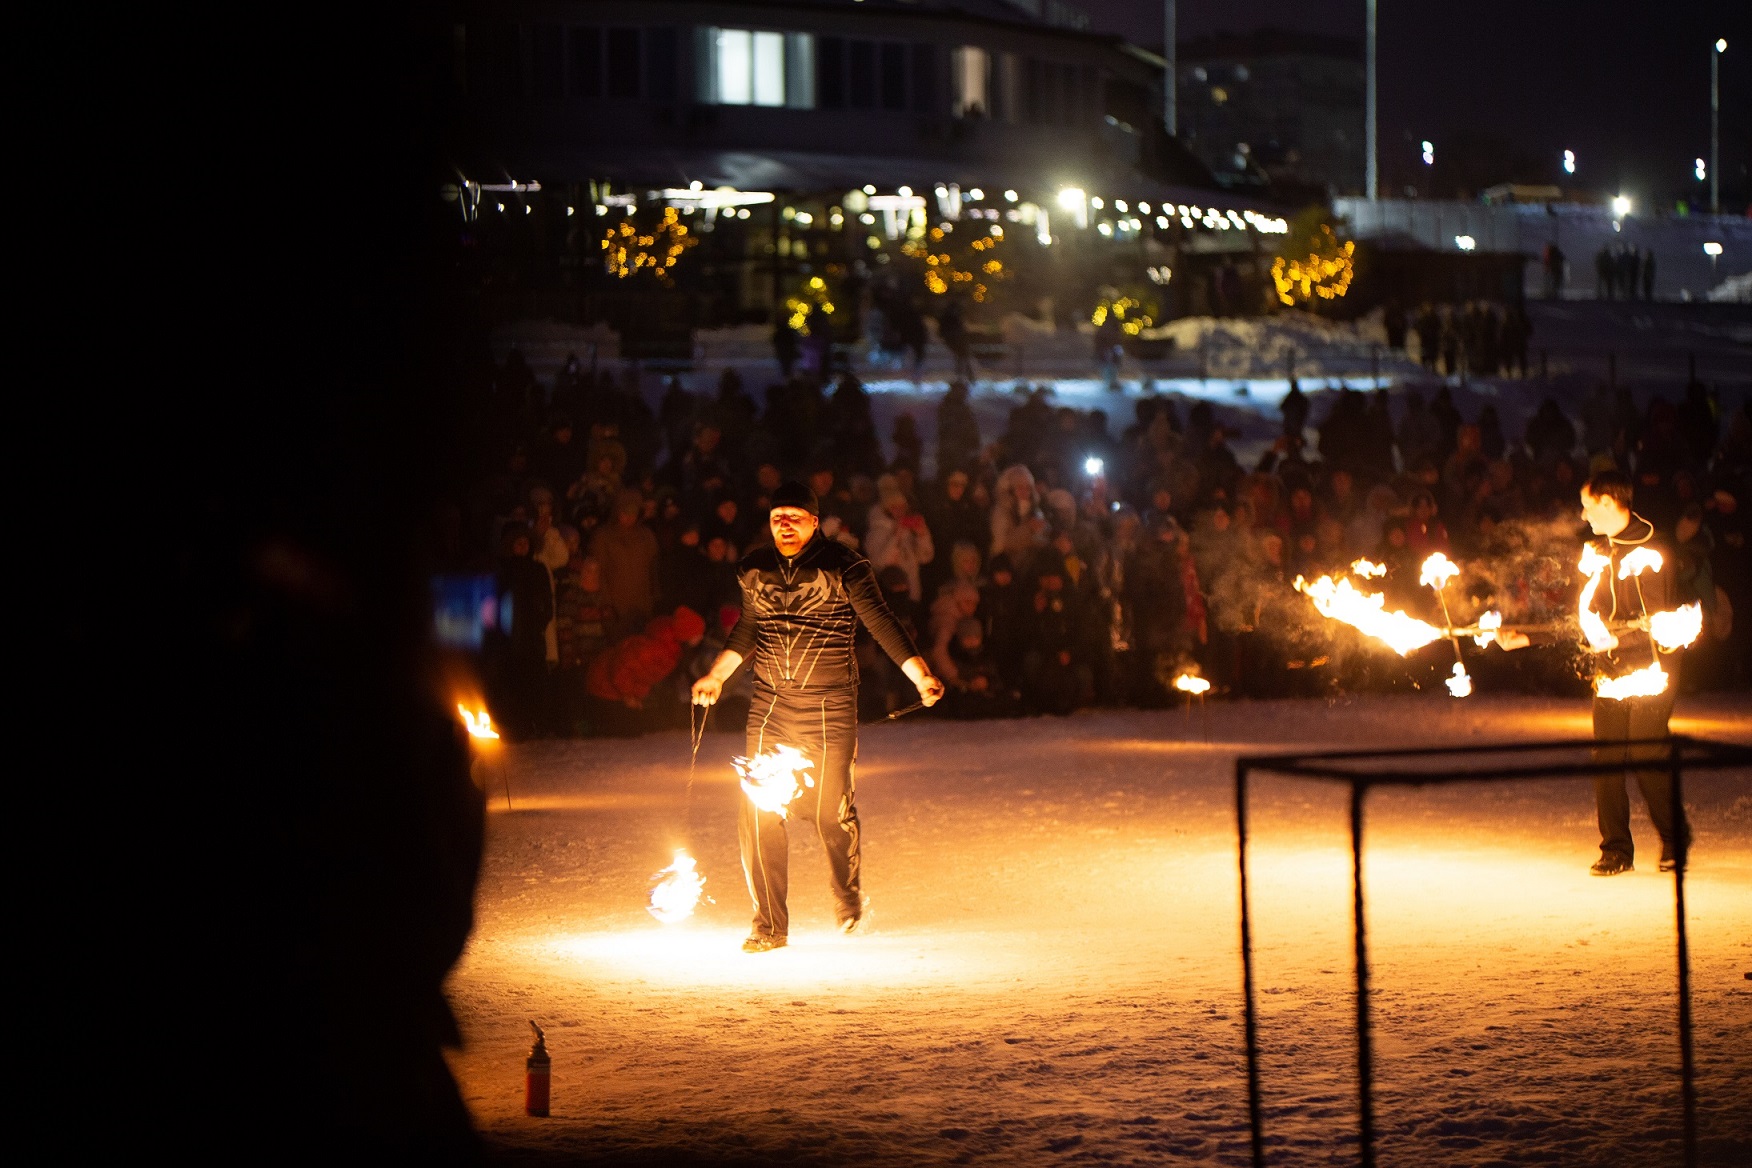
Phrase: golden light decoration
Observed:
(1326, 273)
(814, 297)
(943, 271)
(629, 249)
(1132, 314)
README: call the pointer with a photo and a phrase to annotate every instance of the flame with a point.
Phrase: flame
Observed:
(1644, 683)
(1488, 626)
(1192, 684)
(1437, 571)
(1340, 600)
(675, 890)
(771, 779)
(1640, 560)
(1594, 565)
(1367, 568)
(479, 722)
(1460, 684)
(1676, 629)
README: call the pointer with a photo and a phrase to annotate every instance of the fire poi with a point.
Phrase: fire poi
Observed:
(675, 890)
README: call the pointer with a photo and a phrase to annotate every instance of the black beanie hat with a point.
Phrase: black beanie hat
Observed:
(795, 494)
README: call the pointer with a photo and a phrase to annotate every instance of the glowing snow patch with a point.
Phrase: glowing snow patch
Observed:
(675, 890)
(1676, 629)
(774, 778)
(1644, 683)
(1340, 600)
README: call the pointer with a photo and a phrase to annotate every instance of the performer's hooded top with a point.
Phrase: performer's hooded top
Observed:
(1617, 600)
(799, 616)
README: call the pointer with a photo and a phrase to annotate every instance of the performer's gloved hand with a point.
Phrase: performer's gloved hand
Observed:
(707, 690)
(929, 685)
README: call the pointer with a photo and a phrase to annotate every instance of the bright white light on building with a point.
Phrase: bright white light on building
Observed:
(1465, 242)
(1620, 205)
(1144, 207)
(868, 189)
(1712, 249)
(1162, 222)
(571, 211)
(1700, 168)
(1429, 152)
(1119, 205)
(805, 218)
(1105, 228)
(1010, 196)
(1092, 466)
(976, 194)
(904, 192)
(696, 185)
(1096, 203)
(1569, 161)
(1070, 198)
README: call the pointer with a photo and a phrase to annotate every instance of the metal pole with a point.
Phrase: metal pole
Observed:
(1250, 1014)
(1680, 846)
(1365, 1043)
(1372, 173)
(1170, 79)
(1715, 123)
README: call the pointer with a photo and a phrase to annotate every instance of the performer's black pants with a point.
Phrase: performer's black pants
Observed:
(1616, 722)
(822, 725)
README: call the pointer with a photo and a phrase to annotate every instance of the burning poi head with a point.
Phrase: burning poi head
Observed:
(1438, 569)
(675, 890)
(478, 722)
(774, 778)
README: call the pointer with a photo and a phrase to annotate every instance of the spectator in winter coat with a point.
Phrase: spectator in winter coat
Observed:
(1004, 604)
(897, 536)
(955, 517)
(628, 672)
(583, 618)
(958, 602)
(1018, 528)
(628, 553)
(532, 607)
(957, 432)
(978, 690)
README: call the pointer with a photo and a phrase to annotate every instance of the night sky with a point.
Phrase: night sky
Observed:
(1507, 85)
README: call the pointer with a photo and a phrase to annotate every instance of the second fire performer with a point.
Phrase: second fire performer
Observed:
(802, 600)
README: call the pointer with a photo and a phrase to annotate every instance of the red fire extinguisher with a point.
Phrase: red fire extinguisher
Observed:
(538, 1073)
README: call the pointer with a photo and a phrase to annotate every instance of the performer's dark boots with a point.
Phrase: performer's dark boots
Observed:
(824, 728)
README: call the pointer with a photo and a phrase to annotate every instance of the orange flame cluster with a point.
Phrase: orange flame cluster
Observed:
(478, 722)
(1669, 630)
(675, 890)
(1192, 684)
(1340, 600)
(774, 778)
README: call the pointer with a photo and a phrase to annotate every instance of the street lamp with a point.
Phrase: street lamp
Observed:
(1620, 206)
(1569, 161)
(1429, 152)
(1699, 169)
(1715, 121)
(1713, 250)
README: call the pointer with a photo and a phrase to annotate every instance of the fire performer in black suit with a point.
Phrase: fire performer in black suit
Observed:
(1628, 587)
(802, 600)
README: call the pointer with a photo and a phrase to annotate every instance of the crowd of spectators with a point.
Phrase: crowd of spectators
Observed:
(1058, 564)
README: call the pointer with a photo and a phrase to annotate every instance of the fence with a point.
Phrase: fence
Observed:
(1363, 770)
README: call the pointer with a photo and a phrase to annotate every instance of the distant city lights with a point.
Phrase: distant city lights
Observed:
(1465, 243)
(1569, 161)
(1429, 152)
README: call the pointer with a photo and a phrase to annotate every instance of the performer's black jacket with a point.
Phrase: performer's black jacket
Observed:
(799, 616)
(1617, 601)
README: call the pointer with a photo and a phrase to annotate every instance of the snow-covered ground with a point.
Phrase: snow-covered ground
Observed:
(1053, 975)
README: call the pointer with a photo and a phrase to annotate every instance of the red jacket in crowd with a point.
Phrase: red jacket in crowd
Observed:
(627, 672)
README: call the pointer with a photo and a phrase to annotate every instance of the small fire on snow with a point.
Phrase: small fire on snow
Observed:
(675, 890)
(479, 722)
(1191, 684)
(775, 778)
(1460, 683)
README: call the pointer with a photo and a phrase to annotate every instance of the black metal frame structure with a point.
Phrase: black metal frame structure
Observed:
(1363, 770)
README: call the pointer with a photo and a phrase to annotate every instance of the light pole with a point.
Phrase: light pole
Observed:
(1371, 173)
(1170, 82)
(1715, 122)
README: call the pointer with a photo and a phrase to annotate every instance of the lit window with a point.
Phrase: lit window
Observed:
(971, 71)
(760, 68)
